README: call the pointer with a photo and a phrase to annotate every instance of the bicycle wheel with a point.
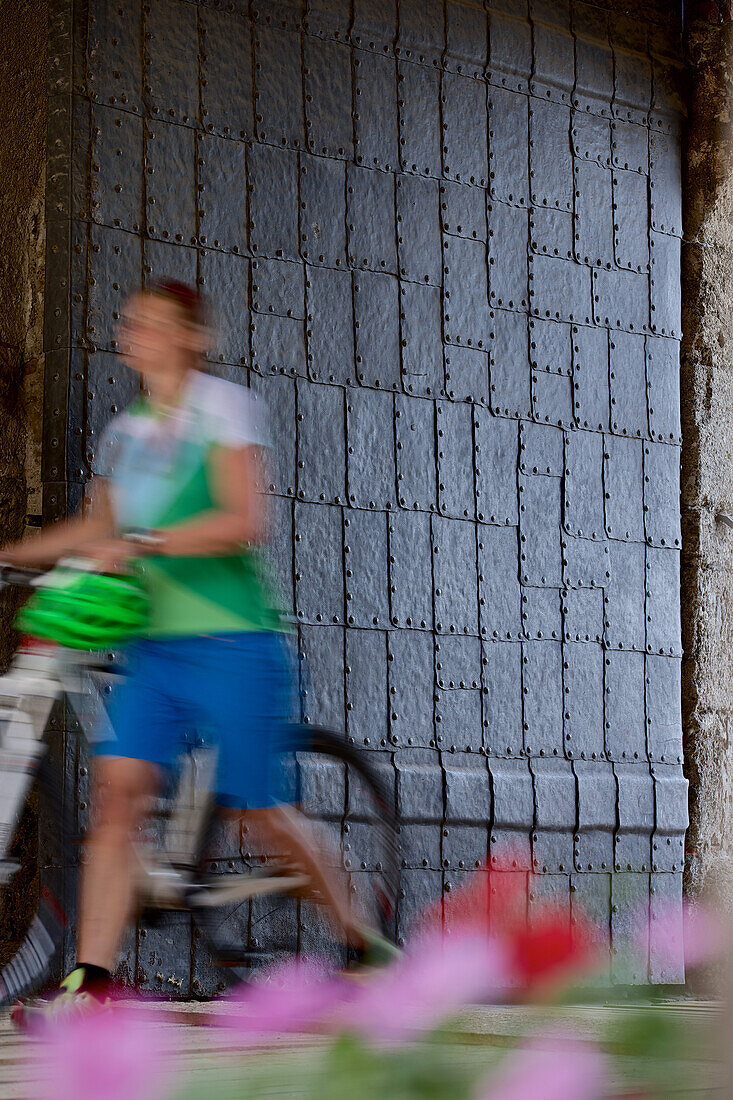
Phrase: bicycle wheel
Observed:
(32, 948)
(352, 811)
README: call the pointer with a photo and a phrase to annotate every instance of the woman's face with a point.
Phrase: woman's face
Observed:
(154, 336)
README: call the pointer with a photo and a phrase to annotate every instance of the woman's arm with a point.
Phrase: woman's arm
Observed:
(68, 536)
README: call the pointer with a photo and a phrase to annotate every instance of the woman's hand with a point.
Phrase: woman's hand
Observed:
(113, 555)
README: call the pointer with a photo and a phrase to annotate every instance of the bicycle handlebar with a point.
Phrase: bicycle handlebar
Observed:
(18, 575)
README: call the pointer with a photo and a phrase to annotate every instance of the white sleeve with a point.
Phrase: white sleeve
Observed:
(235, 416)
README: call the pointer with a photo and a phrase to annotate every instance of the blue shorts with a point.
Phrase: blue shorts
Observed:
(232, 690)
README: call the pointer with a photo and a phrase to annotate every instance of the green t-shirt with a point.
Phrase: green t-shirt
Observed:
(159, 469)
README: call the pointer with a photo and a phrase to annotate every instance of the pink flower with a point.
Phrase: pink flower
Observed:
(292, 997)
(553, 1068)
(435, 978)
(117, 1053)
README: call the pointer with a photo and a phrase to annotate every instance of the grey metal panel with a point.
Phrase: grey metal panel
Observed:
(420, 785)
(370, 210)
(632, 843)
(281, 547)
(594, 221)
(411, 688)
(624, 596)
(114, 269)
(666, 291)
(169, 152)
(662, 494)
(508, 252)
(278, 287)
(419, 128)
(583, 508)
(114, 57)
(596, 815)
(278, 392)
(226, 60)
(464, 120)
(328, 94)
(466, 34)
(222, 193)
(590, 897)
(421, 31)
(583, 703)
(624, 705)
(550, 155)
(117, 153)
(671, 818)
(465, 846)
(421, 339)
(410, 570)
(369, 431)
(467, 374)
(321, 471)
(630, 146)
(582, 614)
(560, 288)
(225, 279)
(503, 730)
(278, 345)
(164, 956)
(663, 708)
(666, 945)
(553, 54)
(278, 85)
(510, 51)
(455, 576)
(458, 662)
(418, 889)
(550, 345)
(110, 387)
(632, 86)
(628, 384)
(375, 89)
(663, 628)
(552, 398)
(593, 89)
(663, 389)
(465, 311)
(322, 211)
(541, 613)
(499, 592)
(621, 299)
(367, 700)
(374, 24)
(377, 323)
(551, 232)
(463, 210)
(171, 51)
(630, 929)
(509, 371)
(418, 230)
(330, 328)
(319, 582)
(555, 815)
(542, 701)
(591, 138)
(164, 260)
(665, 183)
(495, 445)
(365, 567)
(631, 220)
(416, 453)
(322, 782)
(458, 721)
(539, 528)
(508, 146)
(456, 492)
(624, 488)
(586, 564)
(513, 801)
(590, 378)
(541, 449)
(273, 201)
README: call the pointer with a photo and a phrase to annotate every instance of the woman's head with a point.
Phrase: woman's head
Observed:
(164, 329)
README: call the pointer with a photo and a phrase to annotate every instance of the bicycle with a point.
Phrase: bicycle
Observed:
(174, 872)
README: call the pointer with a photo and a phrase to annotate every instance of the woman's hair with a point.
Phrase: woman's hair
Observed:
(188, 300)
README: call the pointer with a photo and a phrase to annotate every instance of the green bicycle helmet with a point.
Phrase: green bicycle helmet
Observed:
(85, 610)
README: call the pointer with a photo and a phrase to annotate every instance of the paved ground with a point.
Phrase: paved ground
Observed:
(480, 1039)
